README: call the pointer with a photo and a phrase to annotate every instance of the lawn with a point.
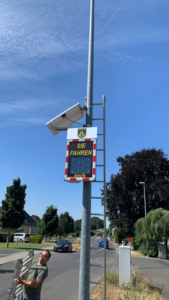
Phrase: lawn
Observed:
(24, 246)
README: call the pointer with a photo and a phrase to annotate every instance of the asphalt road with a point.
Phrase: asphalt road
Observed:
(63, 279)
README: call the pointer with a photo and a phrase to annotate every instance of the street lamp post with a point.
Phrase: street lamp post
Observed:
(144, 190)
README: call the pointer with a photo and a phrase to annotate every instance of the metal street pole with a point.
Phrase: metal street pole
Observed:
(84, 275)
(144, 191)
(144, 187)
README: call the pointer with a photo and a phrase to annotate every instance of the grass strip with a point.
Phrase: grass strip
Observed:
(139, 288)
(23, 246)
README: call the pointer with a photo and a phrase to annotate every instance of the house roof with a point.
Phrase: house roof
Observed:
(35, 218)
(29, 220)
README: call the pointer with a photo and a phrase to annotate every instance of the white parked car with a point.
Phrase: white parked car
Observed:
(21, 237)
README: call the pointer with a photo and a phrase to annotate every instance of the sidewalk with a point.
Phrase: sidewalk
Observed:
(19, 255)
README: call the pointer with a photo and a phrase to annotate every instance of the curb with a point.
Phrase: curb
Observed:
(25, 251)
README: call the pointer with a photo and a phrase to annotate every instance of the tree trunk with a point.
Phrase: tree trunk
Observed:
(46, 237)
(7, 242)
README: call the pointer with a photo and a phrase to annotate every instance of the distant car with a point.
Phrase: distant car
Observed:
(21, 237)
(101, 243)
(63, 245)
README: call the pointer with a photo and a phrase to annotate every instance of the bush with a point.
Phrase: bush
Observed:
(143, 248)
(151, 251)
(99, 233)
(125, 242)
(36, 241)
(3, 237)
(135, 245)
(72, 234)
(35, 238)
(119, 235)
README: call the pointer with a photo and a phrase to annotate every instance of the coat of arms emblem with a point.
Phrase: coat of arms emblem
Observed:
(81, 133)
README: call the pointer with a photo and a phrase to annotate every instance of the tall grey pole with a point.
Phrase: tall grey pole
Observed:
(144, 191)
(144, 188)
(84, 275)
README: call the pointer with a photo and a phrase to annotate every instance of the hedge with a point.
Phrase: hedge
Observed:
(3, 237)
(36, 238)
(119, 235)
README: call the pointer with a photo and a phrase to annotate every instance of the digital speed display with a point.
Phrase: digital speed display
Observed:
(80, 159)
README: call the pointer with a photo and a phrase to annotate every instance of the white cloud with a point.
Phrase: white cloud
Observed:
(43, 38)
(27, 111)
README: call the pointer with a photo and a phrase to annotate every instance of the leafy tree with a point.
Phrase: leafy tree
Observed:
(66, 224)
(119, 235)
(77, 225)
(50, 221)
(41, 228)
(12, 214)
(96, 223)
(154, 228)
(125, 200)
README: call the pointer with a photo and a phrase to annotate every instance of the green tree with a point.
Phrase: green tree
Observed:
(111, 226)
(12, 214)
(124, 195)
(50, 220)
(77, 225)
(41, 228)
(96, 223)
(66, 224)
(154, 228)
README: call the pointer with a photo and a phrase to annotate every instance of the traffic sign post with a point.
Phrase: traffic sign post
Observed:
(80, 164)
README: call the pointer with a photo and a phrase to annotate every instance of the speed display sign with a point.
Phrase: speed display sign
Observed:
(80, 162)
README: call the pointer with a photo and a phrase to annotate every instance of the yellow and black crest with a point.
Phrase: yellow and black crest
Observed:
(81, 133)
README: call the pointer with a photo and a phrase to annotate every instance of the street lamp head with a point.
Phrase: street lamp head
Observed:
(142, 183)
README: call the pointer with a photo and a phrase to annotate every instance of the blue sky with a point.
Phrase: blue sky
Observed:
(43, 72)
